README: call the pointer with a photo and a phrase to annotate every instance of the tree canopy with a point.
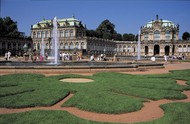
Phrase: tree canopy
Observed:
(186, 36)
(8, 28)
(106, 30)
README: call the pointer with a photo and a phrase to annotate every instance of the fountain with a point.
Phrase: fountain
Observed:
(139, 47)
(55, 42)
(42, 49)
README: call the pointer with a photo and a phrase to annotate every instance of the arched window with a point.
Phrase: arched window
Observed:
(77, 45)
(167, 35)
(66, 46)
(120, 48)
(61, 46)
(156, 35)
(47, 46)
(146, 36)
(71, 45)
(47, 34)
(67, 33)
(38, 35)
(34, 34)
(71, 33)
(38, 47)
(124, 48)
(82, 45)
(43, 34)
(61, 33)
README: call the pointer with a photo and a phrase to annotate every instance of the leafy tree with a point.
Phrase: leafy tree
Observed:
(129, 37)
(106, 29)
(117, 37)
(186, 36)
(8, 27)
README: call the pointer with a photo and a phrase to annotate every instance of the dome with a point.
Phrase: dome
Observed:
(164, 23)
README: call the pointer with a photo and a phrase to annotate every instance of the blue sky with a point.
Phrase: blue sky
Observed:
(127, 15)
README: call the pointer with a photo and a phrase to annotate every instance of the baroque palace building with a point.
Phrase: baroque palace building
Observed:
(14, 45)
(72, 37)
(158, 37)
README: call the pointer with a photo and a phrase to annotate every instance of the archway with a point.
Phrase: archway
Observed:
(146, 50)
(167, 50)
(156, 49)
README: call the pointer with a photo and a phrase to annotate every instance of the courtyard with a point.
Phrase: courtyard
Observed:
(148, 96)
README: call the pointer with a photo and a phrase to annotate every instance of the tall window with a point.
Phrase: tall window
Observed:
(167, 35)
(43, 34)
(146, 36)
(71, 45)
(34, 34)
(82, 45)
(71, 33)
(77, 45)
(47, 34)
(67, 33)
(66, 46)
(38, 35)
(157, 35)
(61, 33)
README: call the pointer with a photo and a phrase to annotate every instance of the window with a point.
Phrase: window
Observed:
(47, 34)
(146, 36)
(167, 35)
(43, 34)
(77, 45)
(61, 46)
(157, 35)
(82, 45)
(71, 45)
(61, 33)
(66, 46)
(38, 35)
(67, 33)
(34, 34)
(71, 33)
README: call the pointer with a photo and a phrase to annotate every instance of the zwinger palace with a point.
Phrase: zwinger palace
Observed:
(158, 37)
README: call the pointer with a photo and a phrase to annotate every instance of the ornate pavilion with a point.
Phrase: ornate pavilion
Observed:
(158, 37)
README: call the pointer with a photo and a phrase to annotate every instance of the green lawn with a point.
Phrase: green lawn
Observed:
(109, 93)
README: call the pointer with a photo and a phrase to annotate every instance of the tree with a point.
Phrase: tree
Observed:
(106, 29)
(185, 36)
(8, 28)
(117, 37)
(129, 37)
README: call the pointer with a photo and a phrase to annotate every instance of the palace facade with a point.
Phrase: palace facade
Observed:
(71, 35)
(14, 45)
(158, 37)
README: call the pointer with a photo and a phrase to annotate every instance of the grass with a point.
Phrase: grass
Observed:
(109, 93)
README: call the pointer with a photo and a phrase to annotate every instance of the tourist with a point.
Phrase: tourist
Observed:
(60, 56)
(9, 55)
(6, 55)
(153, 59)
(166, 59)
(46, 55)
(41, 58)
(92, 58)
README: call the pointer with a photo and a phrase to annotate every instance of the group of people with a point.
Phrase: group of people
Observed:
(7, 55)
(67, 56)
(101, 57)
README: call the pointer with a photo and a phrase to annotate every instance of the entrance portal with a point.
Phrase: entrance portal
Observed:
(167, 50)
(156, 49)
(146, 50)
